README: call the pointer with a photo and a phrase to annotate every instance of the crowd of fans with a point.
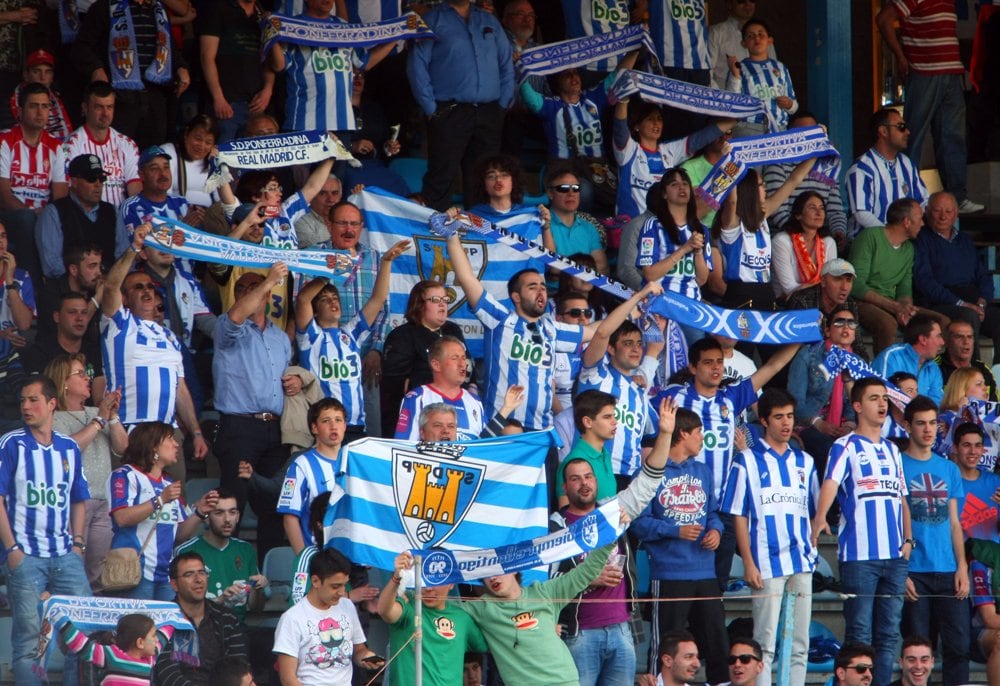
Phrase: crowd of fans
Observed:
(123, 367)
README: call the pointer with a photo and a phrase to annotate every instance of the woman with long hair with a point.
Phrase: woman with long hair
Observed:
(148, 512)
(101, 438)
(189, 159)
(801, 250)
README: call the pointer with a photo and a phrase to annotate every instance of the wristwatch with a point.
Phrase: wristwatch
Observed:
(81, 545)
(912, 542)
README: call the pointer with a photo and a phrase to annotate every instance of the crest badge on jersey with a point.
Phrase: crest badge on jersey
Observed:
(433, 264)
(433, 493)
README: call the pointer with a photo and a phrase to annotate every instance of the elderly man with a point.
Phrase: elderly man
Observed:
(883, 174)
(948, 275)
(313, 228)
(959, 351)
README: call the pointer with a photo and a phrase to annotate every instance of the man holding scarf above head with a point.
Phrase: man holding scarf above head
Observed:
(128, 43)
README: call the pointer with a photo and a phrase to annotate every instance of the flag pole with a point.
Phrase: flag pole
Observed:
(418, 619)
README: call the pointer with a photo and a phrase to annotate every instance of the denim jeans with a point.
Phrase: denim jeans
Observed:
(951, 616)
(64, 575)
(230, 128)
(151, 590)
(936, 104)
(873, 615)
(604, 656)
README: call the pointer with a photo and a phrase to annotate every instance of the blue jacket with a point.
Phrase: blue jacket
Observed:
(901, 357)
(467, 61)
(809, 386)
(940, 264)
(685, 496)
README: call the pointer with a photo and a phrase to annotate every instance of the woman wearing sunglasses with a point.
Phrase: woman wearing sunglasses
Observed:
(101, 438)
(823, 412)
(404, 356)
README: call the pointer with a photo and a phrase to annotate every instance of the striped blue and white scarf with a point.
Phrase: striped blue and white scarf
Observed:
(552, 58)
(277, 150)
(177, 238)
(279, 28)
(794, 145)
(686, 96)
(838, 360)
(90, 614)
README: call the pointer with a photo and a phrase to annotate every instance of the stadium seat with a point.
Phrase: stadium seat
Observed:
(822, 642)
(195, 488)
(412, 169)
(279, 570)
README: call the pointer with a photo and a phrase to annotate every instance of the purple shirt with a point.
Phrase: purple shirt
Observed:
(601, 614)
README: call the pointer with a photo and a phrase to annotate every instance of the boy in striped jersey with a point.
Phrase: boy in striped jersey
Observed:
(865, 475)
(42, 497)
(763, 77)
(333, 353)
(771, 491)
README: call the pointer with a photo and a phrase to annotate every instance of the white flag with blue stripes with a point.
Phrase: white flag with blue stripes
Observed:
(405, 495)
(390, 219)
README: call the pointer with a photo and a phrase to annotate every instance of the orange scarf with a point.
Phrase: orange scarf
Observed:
(808, 267)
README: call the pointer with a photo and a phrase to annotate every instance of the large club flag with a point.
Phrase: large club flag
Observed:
(390, 218)
(405, 495)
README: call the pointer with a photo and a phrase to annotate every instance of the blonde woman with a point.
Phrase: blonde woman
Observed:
(966, 399)
(101, 438)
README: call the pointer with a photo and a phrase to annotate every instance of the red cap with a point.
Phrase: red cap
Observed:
(41, 57)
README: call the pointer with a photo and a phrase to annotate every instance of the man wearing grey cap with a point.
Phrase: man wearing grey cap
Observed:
(80, 218)
(836, 279)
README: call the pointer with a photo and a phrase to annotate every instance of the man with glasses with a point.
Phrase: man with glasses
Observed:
(746, 663)
(448, 364)
(854, 665)
(313, 228)
(883, 174)
(188, 661)
(571, 231)
(572, 308)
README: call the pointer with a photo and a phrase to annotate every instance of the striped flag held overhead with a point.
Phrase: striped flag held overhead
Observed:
(405, 495)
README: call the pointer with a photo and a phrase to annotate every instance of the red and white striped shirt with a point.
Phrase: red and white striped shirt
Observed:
(928, 32)
(31, 169)
(119, 154)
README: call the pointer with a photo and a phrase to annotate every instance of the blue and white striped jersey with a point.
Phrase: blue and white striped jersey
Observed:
(468, 412)
(765, 80)
(655, 245)
(871, 493)
(129, 486)
(39, 483)
(595, 17)
(279, 232)
(679, 29)
(522, 352)
(633, 412)
(369, 11)
(718, 418)
(873, 183)
(584, 121)
(139, 209)
(143, 359)
(310, 475)
(777, 493)
(639, 168)
(334, 356)
(320, 81)
(746, 255)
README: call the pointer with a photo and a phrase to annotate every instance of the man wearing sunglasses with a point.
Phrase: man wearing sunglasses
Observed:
(854, 664)
(746, 662)
(883, 174)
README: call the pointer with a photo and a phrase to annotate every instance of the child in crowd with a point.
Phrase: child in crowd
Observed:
(128, 661)
(762, 77)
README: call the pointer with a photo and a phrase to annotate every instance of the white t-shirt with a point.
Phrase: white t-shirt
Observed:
(321, 640)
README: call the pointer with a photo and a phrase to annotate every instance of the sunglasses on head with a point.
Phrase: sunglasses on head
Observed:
(536, 335)
(566, 188)
(743, 659)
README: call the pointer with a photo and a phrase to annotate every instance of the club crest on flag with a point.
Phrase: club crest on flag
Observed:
(433, 264)
(433, 494)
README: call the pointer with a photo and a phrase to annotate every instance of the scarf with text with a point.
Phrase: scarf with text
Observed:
(317, 33)
(686, 96)
(838, 360)
(579, 52)
(794, 145)
(123, 57)
(277, 150)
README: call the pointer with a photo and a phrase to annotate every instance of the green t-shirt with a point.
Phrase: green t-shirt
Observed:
(698, 169)
(236, 562)
(880, 267)
(448, 635)
(600, 462)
